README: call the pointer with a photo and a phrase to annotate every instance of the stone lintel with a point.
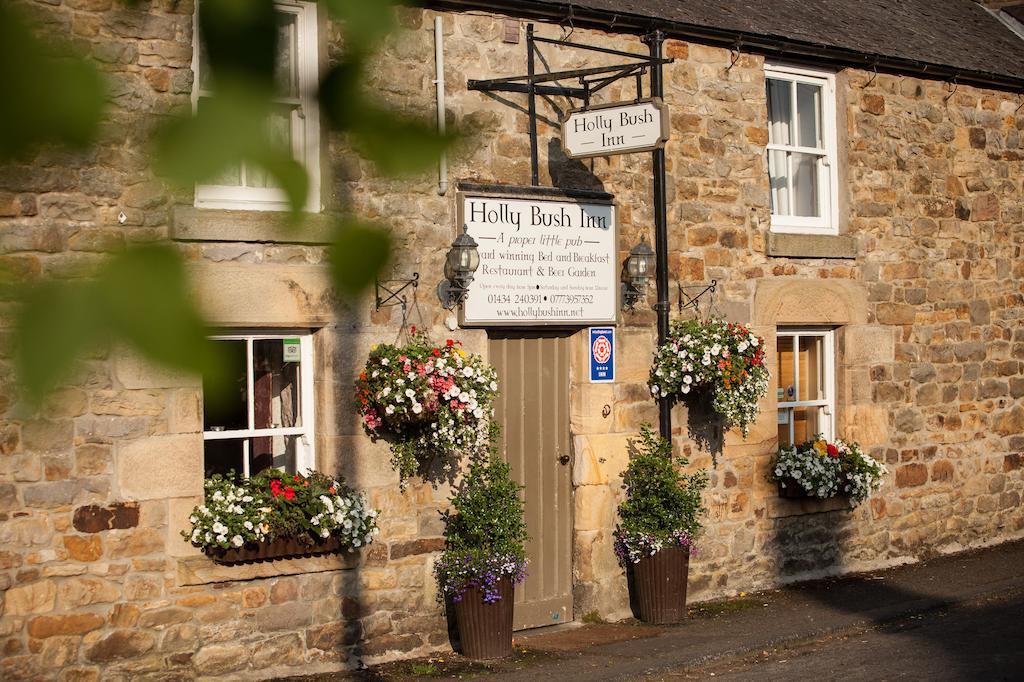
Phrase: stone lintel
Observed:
(215, 225)
(811, 245)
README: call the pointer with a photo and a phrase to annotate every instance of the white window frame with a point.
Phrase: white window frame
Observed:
(305, 122)
(827, 405)
(305, 456)
(828, 169)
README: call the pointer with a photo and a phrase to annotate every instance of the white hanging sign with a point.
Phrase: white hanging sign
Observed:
(617, 128)
(542, 261)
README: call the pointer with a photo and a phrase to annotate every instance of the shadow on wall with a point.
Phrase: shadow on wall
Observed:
(569, 173)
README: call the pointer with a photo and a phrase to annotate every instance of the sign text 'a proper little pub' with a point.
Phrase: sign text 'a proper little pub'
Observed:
(542, 261)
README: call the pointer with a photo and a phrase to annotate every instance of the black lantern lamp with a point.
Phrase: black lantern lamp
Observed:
(639, 267)
(461, 262)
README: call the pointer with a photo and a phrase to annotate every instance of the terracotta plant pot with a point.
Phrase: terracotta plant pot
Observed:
(276, 549)
(659, 586)
(793, 490)
(485, 630)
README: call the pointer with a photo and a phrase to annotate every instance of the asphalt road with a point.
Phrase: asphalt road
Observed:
(980, 640)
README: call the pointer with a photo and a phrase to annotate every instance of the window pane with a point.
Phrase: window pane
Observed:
(778, 179)
(226, 410)
(286, 68)
(808, 114)
(806, 423)
(785, 387)
(279, 129)
(785, 416)
(223, 457)
(275, 386)
(279, 452)
(780, 111)
(805, 185)
(812, 368)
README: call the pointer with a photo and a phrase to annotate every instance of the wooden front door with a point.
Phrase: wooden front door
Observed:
(533, 410)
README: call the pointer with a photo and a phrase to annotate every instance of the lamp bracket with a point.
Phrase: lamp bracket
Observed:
(389, 291)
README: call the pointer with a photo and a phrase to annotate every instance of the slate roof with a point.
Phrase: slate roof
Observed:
(957, 34)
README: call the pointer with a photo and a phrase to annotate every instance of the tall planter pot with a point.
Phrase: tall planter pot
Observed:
(485, 630)
(659, 586)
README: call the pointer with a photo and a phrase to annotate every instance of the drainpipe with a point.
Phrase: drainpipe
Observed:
(442, 164)
(654, 42)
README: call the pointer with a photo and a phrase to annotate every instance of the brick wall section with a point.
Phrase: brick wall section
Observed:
(95, 578)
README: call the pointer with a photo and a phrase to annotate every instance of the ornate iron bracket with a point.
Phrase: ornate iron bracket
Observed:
(388, 294)
(687, 301)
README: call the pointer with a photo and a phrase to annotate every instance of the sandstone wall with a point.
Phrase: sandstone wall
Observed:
(927, 300)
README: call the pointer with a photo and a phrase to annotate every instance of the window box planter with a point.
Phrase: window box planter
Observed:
(790, 489)
(279, 548)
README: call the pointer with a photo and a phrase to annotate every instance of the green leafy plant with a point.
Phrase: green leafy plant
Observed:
(274, 504)
(485, 532)
(663, 506)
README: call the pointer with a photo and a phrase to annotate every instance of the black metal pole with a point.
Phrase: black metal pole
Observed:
(534, 171)
(654, 41)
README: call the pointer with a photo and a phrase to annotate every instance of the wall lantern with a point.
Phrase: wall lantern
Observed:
(459, 266)
(639, 267)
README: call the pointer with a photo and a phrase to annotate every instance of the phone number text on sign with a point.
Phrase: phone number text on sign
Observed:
(542, 261)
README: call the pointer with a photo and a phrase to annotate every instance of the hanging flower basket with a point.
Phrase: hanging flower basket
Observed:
(274, 515)
(724, 361)
(825, 469)
(427, 401)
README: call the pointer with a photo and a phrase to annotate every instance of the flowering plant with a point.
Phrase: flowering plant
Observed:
(426, 400)
(274, 505)
(825, 469)
(663, 506)
(484, 533)
(725, 359)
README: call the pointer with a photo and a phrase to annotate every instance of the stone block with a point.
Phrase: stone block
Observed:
(635, 352)
(220, 659)
(161, 467)
(811, 246)
(122, 544)
(911, 475)
(42, 627)
(599, 459)
(400, 550)
(868, 344)
(135, 372)
(234, 295)
(178, 511)
(83, 591)
(594, 508)
(36, 597)
(805, 301)
(866, 424)
(587, 407)
(1011, 422)
(895, 313)
(83, 548)
(94, 519)
(200, 224)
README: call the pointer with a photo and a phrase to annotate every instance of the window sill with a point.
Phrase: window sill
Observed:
(216, 225)
(202, 570)
(779, 507)
(784, 245)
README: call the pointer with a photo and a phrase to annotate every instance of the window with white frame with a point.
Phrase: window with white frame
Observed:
(295, 121)
(805, 384)
(265, 418)
(802, 168)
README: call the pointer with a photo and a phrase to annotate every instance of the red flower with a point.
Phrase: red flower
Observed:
(449, 343)
(436, 352)
(289, 493)
(296, 477)
(412, 329)
(275, 487)
(833, 451)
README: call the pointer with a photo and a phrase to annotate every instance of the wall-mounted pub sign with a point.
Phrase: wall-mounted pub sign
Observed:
(617, 128)
(543, 261)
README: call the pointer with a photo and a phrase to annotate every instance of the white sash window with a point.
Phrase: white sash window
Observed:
(802, 150)
(805, 385)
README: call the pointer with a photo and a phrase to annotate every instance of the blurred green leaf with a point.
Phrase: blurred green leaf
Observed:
(48, 98)
(139, 296)
(366, 21)
(341, 92)
(239, 40)
(358, 253)
(288, 174)
(56, 326)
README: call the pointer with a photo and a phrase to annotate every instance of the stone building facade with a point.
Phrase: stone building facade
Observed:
(922, 287)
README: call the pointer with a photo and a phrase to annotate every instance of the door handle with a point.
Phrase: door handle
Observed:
(563, 459)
